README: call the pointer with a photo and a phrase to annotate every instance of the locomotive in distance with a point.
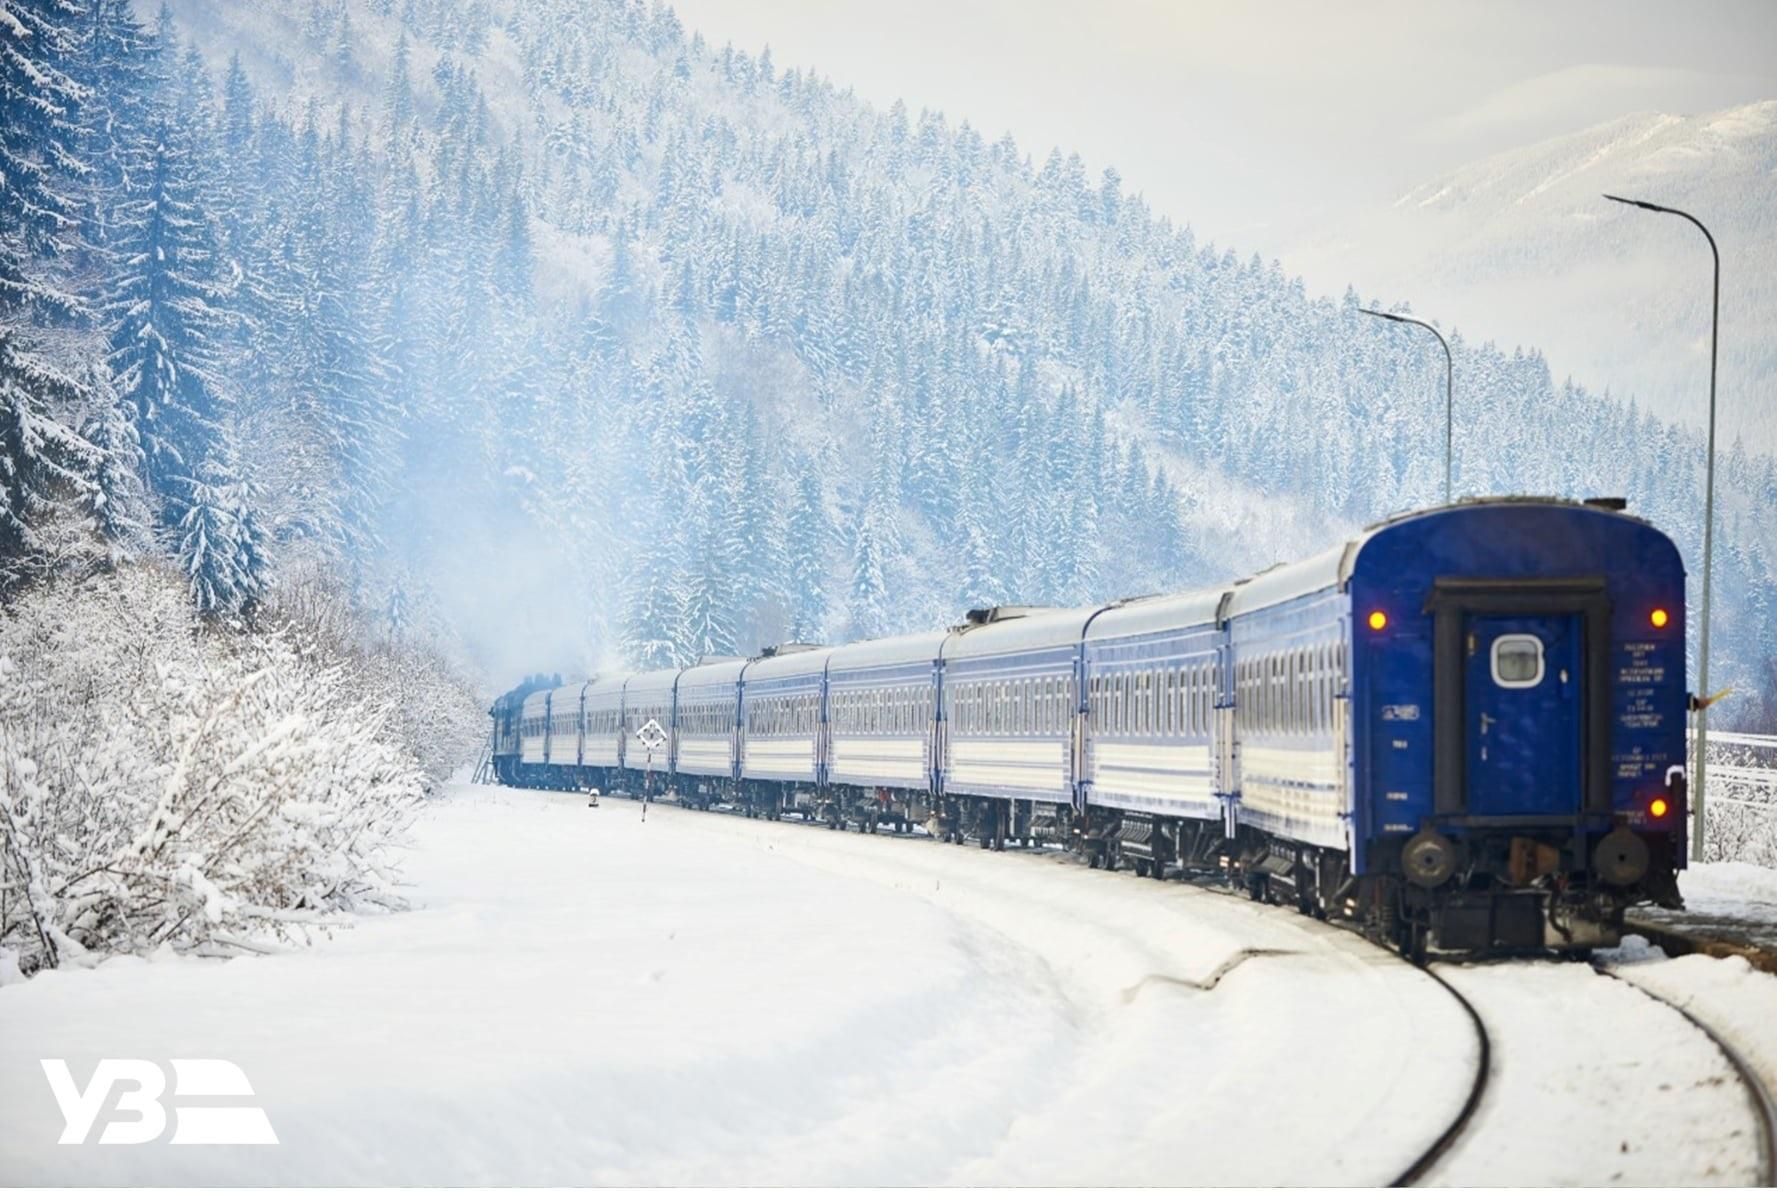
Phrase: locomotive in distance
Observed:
(1462, 731)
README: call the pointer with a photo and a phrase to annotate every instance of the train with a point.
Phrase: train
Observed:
(1461, 731)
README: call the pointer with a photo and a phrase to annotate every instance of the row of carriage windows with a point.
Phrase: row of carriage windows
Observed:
(783, 715)
(705, 719)
(1009, 707)
(1290, 692)
(1166, 701)
(635, 717)
(882, 711)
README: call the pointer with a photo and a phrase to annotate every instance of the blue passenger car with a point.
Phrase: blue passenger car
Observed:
(1506, 719)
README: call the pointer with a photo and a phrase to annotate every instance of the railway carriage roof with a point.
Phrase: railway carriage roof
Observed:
(650, 682)
(789, 665)
(1280, 584)
(1157, 614)
(1334, 567)
(533, 702)
(608, 686)
(888, 651)
(725, 671)
(1022, 634)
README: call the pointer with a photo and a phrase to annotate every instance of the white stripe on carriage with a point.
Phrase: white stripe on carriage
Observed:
(602, 751)
(1291, 803)
(1310, 766)
(793, 758)
(860, 759)
(1030, 764)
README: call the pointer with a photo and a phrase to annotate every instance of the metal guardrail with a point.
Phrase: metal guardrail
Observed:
(1740, 809)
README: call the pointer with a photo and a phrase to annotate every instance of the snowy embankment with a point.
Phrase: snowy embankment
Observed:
(582, 996)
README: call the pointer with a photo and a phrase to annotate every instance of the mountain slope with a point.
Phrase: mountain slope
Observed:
(666, 323)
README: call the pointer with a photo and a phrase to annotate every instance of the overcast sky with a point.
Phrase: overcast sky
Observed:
(1254, 121)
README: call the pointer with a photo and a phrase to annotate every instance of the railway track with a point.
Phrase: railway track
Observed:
(1433, 1153)
(1764, 1107)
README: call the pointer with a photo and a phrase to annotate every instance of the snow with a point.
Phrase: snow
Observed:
(1731, 889)
(1594, 1085)
(584, 996)
(1728, 995)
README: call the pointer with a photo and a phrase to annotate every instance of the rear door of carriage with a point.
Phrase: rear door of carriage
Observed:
(1522, 701)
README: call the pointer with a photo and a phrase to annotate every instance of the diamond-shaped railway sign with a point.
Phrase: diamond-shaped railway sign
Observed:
(651, 735)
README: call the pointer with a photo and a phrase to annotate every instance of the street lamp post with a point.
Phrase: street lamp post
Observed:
(1449, 382)
(1708, 525)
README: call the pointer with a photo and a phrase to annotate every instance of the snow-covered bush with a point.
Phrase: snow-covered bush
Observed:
(432, 706)
(163, 782)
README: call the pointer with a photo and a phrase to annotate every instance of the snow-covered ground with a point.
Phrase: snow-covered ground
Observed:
(1731, 889)
(582, 996)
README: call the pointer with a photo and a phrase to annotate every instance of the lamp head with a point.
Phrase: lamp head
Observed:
(1629, 202)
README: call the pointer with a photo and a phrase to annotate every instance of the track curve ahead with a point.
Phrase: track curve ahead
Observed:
(1477, 1089)
(1764, 1107)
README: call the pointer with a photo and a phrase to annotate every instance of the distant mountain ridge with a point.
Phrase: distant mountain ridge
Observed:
(1521, 246)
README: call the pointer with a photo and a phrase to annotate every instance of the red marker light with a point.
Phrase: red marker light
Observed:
(1378, 620)
(1659, 617)
(1658, 808)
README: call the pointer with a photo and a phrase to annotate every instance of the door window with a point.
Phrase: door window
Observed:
(1517, 660)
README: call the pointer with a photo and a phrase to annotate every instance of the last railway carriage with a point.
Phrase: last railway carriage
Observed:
(1517, 744)
(1462, 729)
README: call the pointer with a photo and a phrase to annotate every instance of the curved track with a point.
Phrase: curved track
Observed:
(1477, 1089)
(1764, 1107)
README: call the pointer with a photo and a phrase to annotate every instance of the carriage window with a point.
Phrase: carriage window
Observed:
(1298, 692)
(1517, 660)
